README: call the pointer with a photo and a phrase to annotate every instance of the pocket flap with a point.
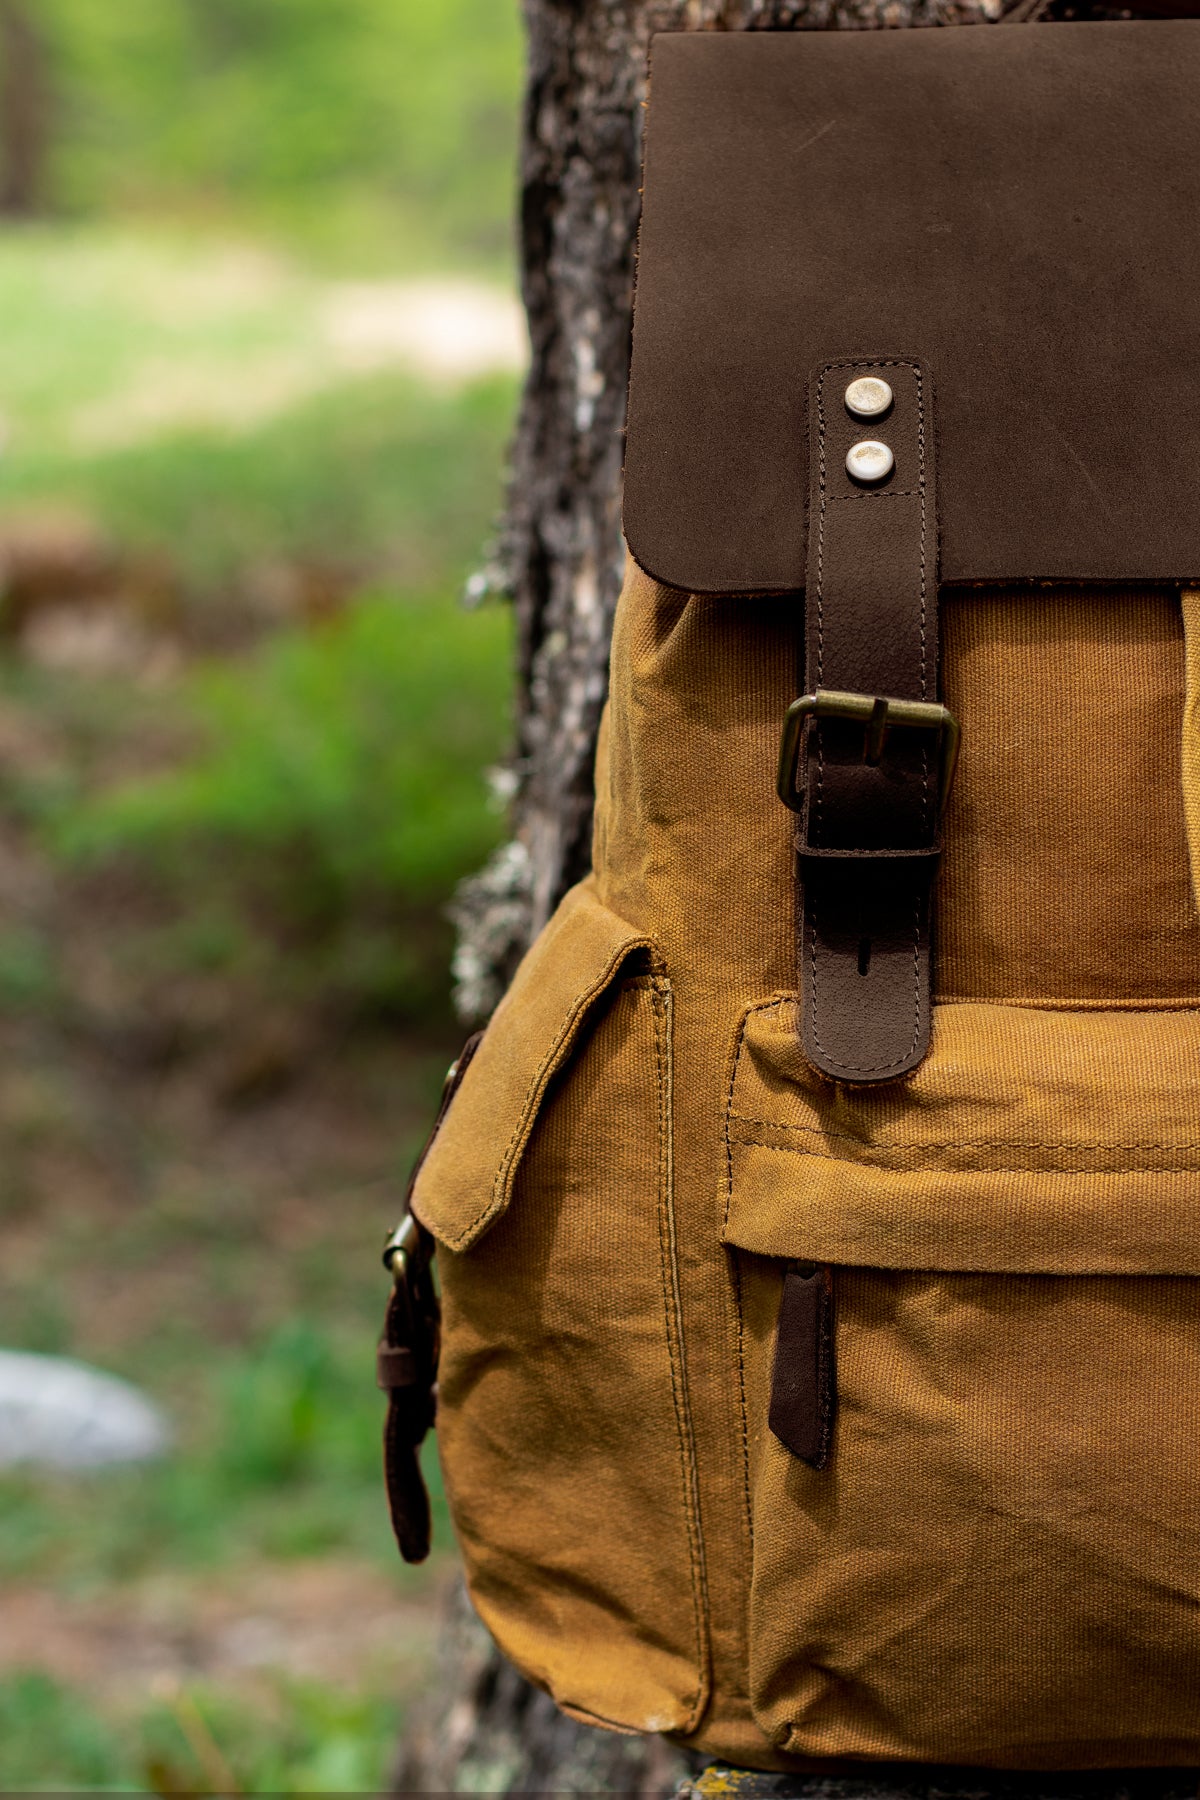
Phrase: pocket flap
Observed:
(467, 1178)
(1031, 1141)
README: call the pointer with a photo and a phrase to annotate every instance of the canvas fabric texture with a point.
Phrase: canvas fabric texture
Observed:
(1000, 1563)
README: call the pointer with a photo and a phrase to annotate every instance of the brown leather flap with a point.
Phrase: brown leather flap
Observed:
(1017, 207)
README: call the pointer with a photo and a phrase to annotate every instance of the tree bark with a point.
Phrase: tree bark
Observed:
(25, 105)
(485, 1730)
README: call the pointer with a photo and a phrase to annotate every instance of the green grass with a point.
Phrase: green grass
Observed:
(111, 330)
(50, 1741)
(195, 400)
(330, 792)
(347, 126)
(312, 1739)
(257, 1336)
(335, 798)
(95, 317)
(243, 829)
(256, 842)
(278, 1459)
(358, 747)
(379, 478)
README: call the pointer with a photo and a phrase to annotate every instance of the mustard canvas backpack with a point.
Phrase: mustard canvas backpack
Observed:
(818, 1218)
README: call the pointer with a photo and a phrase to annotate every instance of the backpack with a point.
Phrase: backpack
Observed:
(818, 1218)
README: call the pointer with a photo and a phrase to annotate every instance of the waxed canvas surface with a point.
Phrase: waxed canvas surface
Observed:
(1000, 1565)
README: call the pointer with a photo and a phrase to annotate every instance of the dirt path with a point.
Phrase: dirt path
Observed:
(337, 1622)
(444, 331)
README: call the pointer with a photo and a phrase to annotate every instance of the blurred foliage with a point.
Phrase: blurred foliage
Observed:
(279, 1460)
(331, 792)
(196, 1740)
(353, 752)
(401, 108)
(376, 476)
(311, 799)
(369, 477)
(337, 799)
(244, 728)
(50, 1741)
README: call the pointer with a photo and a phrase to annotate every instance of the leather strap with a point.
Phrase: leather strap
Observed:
(407, 1357)
(407, 1370)
(868, 847)
(803, 1380)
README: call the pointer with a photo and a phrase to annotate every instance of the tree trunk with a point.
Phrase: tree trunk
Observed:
(24, 111)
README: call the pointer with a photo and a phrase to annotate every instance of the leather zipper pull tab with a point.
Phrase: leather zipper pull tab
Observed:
(803, 1382)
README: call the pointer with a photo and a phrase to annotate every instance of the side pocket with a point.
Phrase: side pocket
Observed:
(563, 1419)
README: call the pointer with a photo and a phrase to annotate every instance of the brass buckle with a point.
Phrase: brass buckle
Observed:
(401, 1248)
(407, 1246)
(877, 716)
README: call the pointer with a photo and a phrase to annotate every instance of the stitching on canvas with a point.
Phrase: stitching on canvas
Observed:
(919, 1146)
(660, 1003)
(735, 1267)
(991, 1168)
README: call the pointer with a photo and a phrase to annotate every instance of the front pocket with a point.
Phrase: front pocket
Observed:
(563, 1421)
(1001, 1563)
(1031, 1139)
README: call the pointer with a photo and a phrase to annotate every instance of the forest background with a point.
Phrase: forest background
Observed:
(259, 358)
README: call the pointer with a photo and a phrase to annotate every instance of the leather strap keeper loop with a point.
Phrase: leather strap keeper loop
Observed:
(869, 840)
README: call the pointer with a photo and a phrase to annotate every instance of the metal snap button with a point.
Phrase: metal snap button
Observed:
(869, 397)
(869, 461)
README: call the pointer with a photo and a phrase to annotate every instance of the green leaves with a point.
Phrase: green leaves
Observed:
(337, 796)
(238, 100)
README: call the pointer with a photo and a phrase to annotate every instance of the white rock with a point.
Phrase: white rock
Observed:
(63, 1415)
